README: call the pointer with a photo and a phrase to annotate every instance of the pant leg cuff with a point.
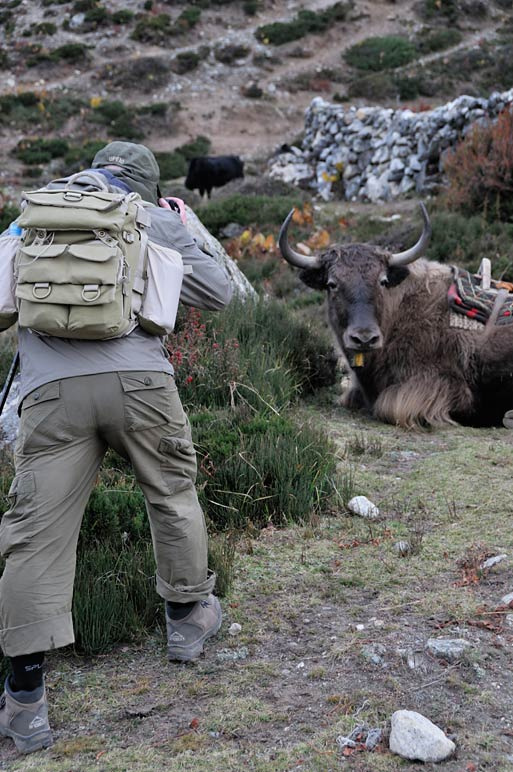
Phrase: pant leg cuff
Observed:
(183, 594)
(44, 635)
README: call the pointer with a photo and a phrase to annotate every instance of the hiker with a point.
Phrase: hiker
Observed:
(79, 397)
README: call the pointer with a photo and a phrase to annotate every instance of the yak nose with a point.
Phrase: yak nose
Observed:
(364, 339)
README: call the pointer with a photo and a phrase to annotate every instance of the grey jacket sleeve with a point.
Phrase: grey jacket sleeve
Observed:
(206, 285)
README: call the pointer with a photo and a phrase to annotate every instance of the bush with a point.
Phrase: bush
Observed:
(381, 53)
(304, 23)
(153, 29)
(172, 165)
(438, 40)
(212, 352)
(448, 9)
(185, 62)
(40, 151)
(187, 19)
(246, 210)
(124, 16)
(465, 240)
(228, 54)
(480, 170)
(119, 118)
(200, 145)
(258, 471)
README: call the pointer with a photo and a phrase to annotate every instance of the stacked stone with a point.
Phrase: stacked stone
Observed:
(376, 154)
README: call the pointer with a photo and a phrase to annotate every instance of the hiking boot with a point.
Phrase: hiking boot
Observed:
(24, 719)
(185, 637)
(508, 419)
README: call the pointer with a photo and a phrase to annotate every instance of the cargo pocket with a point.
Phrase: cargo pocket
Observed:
(178, 464)
(44, 419)
(147, 399)
(18, 523)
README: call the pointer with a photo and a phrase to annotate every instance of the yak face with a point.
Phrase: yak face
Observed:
(356, 278)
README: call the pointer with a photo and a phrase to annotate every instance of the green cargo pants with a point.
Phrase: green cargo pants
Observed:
(65, 429)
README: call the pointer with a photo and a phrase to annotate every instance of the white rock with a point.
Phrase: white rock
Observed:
(234, 629)
(507, 599)
(493, 561)
(450, 649)
(360, 505)
(415, 737)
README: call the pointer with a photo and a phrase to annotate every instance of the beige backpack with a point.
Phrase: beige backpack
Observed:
(84, 267)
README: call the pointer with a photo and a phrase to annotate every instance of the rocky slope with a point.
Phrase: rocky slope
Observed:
(189, 70)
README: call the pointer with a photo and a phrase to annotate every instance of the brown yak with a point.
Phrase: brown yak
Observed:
(390, 317)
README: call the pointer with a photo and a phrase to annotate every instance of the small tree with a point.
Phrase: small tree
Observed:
(480, 170)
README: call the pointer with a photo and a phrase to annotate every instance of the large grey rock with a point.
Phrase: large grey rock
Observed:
(415, 737)
(450, 649)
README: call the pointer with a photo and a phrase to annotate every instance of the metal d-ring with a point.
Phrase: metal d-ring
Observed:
(91, 288)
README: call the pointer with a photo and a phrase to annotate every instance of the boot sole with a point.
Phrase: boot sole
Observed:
(508, 419)
(35, 742)
(194, 650)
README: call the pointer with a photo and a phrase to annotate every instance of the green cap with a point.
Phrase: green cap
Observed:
(139, 167)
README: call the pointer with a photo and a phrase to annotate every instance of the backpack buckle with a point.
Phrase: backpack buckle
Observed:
(72, 195)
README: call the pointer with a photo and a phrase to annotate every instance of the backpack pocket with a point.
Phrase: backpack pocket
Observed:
(71, 290)
(162, 293)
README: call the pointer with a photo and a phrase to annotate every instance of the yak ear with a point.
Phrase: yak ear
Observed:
(315, 277)
(396, 274)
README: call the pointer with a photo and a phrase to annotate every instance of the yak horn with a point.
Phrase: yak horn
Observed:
(403, 258)
(290, 255)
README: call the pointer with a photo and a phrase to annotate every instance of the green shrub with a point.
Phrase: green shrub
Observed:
(7, 350)
(44, 28)
(8, 213)
(246, 210)
(96, 15)
(251, 7)
(381, 53)
(70, 52)
(261, 470)
(153, 29)
(123, 16)
(81, 156)
(228, 54)
(438, 39)
(119, 118)
(465, 240)
(200, 145)
(448, 9)
(211, 352)
(304, 23)
(172, 165)
(185, 62)
(40, 151)
(114, 598)
(187, 19)
(378, 85)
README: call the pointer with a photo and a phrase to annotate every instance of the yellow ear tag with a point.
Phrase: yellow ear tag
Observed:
(358, 360)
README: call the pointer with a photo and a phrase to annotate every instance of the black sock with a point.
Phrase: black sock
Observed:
(27, 672)
(178, 611)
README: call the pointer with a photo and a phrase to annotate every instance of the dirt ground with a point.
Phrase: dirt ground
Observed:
(334, 625)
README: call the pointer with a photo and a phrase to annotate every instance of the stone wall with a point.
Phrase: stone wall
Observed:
(376, 154)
